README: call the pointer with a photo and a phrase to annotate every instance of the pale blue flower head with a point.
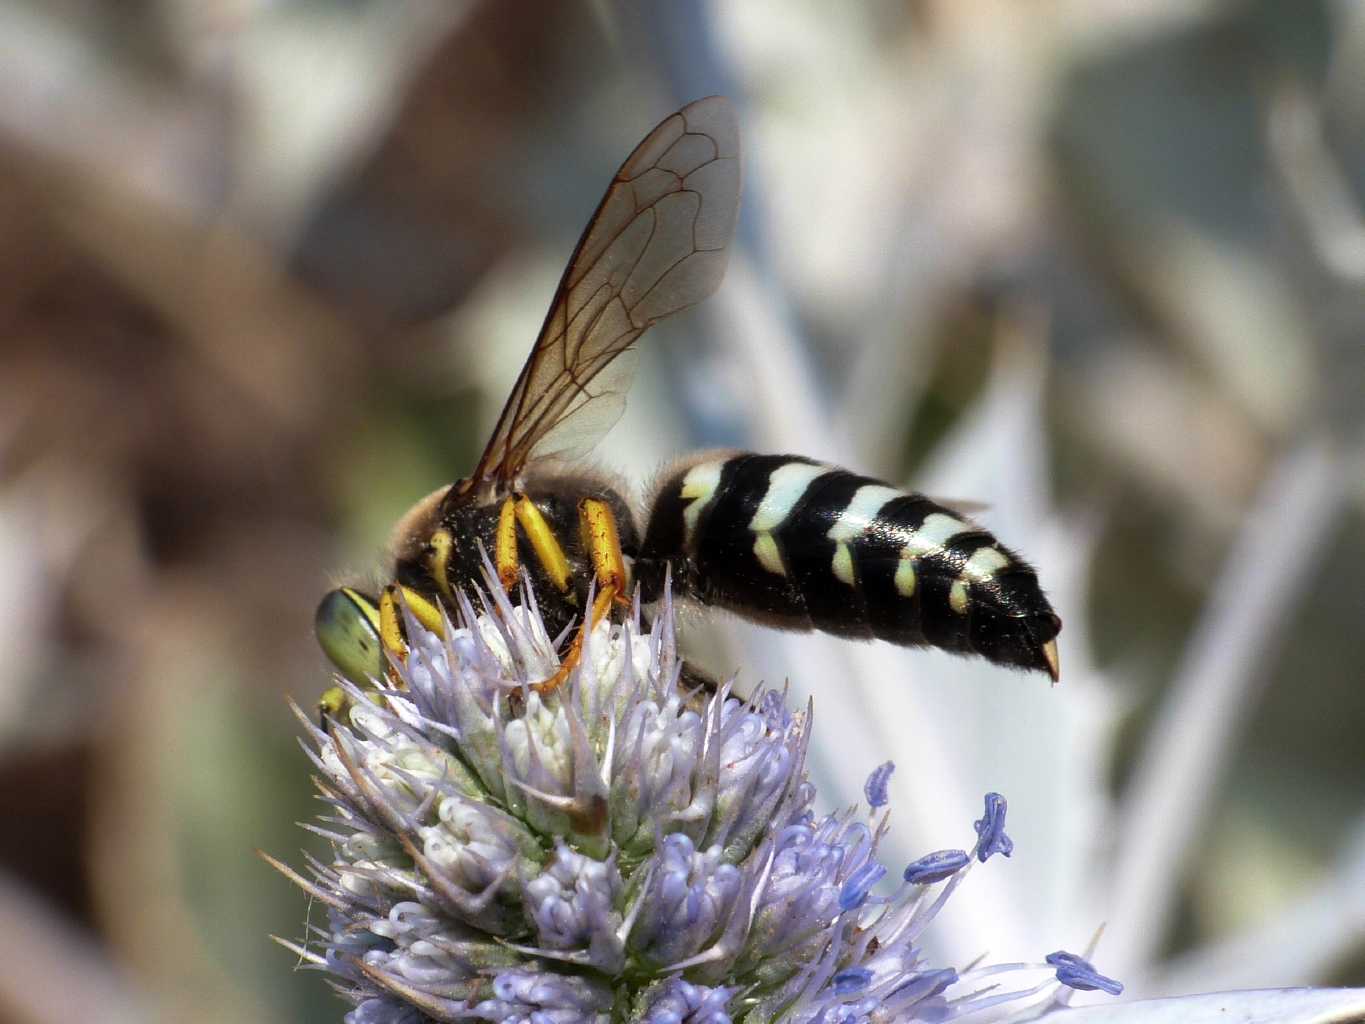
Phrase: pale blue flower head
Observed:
(623, 849)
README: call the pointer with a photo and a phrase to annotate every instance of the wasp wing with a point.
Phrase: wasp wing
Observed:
(963, 506)
(657, 244)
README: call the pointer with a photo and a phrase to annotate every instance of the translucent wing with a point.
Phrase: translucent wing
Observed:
(966, 506)
(656, 245)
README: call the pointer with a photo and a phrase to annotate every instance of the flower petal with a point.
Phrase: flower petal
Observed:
(1261, 1006)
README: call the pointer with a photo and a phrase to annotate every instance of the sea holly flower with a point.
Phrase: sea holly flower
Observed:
(622, 849)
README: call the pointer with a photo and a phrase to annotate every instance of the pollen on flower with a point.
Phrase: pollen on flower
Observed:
(623, 848)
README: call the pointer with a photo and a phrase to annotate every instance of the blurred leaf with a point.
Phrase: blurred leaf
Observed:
(1162, 146)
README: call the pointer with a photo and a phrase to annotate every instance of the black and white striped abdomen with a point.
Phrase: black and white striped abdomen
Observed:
(798, 544)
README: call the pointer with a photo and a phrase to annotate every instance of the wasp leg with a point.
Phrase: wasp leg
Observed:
(602, 542)
(601, 605)
(391, 633)
(391, 624)
(544, 543)
(505, 546)
(330, 706)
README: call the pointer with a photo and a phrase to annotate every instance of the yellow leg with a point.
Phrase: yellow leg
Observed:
(603, 544)
(601, 605)
(544, 543)
(425, 611)
(331, 705)
(388, 620)
(601, 540)
(391, 618)
(505, 546)
(391, 623)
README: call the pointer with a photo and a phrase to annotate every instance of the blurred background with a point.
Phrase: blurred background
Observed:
(268, 270)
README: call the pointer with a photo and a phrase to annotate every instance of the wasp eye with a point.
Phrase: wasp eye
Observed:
(347, 628)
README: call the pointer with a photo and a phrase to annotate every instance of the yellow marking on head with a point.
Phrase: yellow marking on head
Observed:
(438, 561)
(698, 488)
(786, 485)
(905, 575)
(957, 597)
(505, 558)
(768, 555)
(597, 526)
(843, 564)
(364, 603)
(544, 543)
(860, 511)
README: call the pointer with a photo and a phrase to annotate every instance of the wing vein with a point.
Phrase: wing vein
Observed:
(657, 244)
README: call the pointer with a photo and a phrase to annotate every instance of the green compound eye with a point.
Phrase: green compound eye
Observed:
(347, 628)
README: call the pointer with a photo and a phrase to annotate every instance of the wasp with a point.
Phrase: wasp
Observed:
(779, 539)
